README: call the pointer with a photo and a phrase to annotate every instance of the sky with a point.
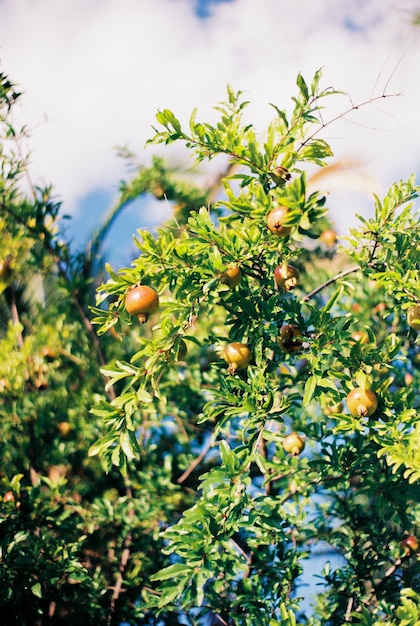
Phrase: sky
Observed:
(94, 73)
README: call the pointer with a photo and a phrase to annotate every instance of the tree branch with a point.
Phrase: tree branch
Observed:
(194, 463)
(330, 281)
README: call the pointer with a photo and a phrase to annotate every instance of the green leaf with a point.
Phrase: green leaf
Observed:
(333, 299)
(309, 391)
(37, 590)
(302, 86)
(126, 444)
(172, 572)
(100, 446)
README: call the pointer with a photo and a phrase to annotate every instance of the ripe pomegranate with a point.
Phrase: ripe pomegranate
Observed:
(237, 355)
(290, 338)
(286, 276)
(293, 444)
(408, 378)
(231, 277)
(362, 402)
(410, 544)
(276, 219)
(64, 428)
(9, 496)
(141, 301)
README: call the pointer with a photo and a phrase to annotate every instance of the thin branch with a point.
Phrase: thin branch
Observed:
(87, 324)
(330, 281)
(220, 619)
(125, 555)
(195, 462)
(349, 609)
(354, 107)
(15, 315)
(389, 573)
(393, 71)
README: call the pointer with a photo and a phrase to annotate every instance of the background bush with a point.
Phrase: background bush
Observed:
(144, 481)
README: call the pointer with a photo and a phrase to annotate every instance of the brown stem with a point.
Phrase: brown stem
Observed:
(195, 462)
(330, 281)
(15, 315)
(33, 470)
(349, 609)
(125, 556)
(354, 107)
(389, 572)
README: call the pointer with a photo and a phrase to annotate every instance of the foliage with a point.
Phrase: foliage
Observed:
(201, 516)
(65, 526)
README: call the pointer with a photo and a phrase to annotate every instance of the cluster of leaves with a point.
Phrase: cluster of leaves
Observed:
(236, 555)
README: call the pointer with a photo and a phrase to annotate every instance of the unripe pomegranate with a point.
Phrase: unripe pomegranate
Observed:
(237, 355)
(141, 301)
(231, 277)
(362, 402)
(410, 544)
(182, 350)
(333, 409)
(276, 219)
(286, 276)
(280, 175)
(293, 444)
(290, 338)
(413, 316)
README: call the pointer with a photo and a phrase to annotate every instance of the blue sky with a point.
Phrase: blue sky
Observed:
(204, 8)
(94, 73)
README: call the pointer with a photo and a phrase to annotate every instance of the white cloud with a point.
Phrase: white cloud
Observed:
(94, 72)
